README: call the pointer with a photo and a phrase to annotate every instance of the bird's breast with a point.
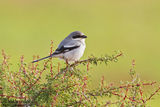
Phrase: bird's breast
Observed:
(75, 54)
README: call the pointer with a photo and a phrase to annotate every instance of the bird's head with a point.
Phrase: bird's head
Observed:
(77, 35)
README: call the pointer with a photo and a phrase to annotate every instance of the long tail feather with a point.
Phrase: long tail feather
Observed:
(42, 58)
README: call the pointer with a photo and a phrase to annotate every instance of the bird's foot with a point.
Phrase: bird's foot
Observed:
(67, 64)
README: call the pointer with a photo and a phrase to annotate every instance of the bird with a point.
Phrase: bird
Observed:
(71, 49)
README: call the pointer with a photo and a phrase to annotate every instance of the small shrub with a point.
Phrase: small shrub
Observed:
(68, 86)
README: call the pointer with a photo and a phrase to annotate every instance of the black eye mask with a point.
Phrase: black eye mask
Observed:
(79, 36)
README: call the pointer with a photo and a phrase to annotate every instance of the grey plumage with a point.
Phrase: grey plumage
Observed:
(70, 49)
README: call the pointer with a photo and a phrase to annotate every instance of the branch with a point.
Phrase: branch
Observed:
(152, 94)
(93, 60)
(98, 93)
(2, 95)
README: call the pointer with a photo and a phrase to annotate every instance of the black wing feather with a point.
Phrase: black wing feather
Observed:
(65, 49)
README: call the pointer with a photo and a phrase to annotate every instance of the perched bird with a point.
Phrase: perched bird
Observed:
(71, 49)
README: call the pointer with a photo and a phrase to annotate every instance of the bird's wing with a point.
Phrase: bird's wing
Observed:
(66, 47)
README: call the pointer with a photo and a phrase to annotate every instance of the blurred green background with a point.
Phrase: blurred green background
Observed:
(132, 26)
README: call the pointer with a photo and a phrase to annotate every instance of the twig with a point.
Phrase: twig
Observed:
(154, 93)
(2, 95)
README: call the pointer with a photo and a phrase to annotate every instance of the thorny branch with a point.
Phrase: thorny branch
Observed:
(123, 92)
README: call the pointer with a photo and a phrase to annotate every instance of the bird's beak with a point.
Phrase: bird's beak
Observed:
(83, 36)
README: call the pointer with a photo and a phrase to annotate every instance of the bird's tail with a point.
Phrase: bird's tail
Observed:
(42, 58)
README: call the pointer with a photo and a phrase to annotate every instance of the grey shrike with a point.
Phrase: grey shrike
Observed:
(71, 49)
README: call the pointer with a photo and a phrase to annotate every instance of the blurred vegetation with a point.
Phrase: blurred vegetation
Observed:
(128, 25)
